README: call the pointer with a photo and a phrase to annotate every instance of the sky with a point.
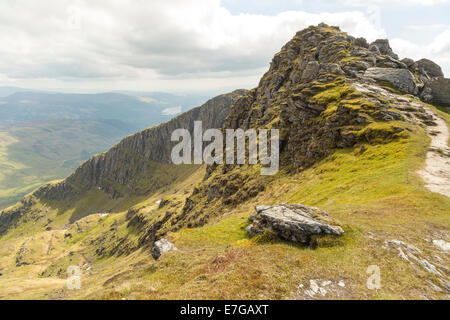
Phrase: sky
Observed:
(192, 46)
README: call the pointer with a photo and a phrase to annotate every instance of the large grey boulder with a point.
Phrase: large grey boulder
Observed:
(292, 222)
(408, 62)
(401, 79)
(160, 247)
(432, 69)
(437, 91)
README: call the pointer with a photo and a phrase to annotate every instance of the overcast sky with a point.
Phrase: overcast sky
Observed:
(202, 46)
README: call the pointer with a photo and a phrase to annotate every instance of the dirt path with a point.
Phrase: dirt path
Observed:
(436, 173)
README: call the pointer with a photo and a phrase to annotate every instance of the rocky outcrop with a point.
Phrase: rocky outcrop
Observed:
(160, 247)
(292, 222)
(311, 71)
(430, 68)
(309, 94)
(437, 91)
(400, 79)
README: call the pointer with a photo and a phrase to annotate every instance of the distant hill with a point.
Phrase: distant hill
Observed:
(29, 106)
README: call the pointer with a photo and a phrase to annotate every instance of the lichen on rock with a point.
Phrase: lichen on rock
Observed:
(292, 222)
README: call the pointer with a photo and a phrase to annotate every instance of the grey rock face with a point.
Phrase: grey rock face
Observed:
(292, 222)
(160, 247)
(432, 69)
(401, 79)
(333, 68)
(311, 71)
(408, 62)
(437, 91)
(373, 48)
(361, 42)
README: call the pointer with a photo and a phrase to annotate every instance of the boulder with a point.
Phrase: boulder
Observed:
(311, 71)
(437, 91)
(333, 68)
(160, 247)
(401, 79)
(292, 222)
(408, 62)
(432, 69)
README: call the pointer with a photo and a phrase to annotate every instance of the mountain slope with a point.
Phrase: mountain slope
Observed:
(352, 142)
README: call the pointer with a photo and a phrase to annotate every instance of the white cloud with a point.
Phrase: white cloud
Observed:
(158, 45)
(438, 49)
(403, 3)
(83, 41)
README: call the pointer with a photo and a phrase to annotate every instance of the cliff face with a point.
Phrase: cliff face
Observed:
(127, 168)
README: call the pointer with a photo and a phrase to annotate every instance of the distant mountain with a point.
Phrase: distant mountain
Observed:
(45, 135)
(29, 106)
(6, 91)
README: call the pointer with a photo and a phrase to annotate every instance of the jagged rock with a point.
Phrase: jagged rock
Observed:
(408, 62)
(384, 47)
(400, 79)
(311, 71)
(373, 48)
(437, 90)
(334, 68)
(160, 247)
(432, 69)
(292, 222)
(361, 42)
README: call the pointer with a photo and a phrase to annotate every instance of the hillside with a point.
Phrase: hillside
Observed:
(356, 126)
